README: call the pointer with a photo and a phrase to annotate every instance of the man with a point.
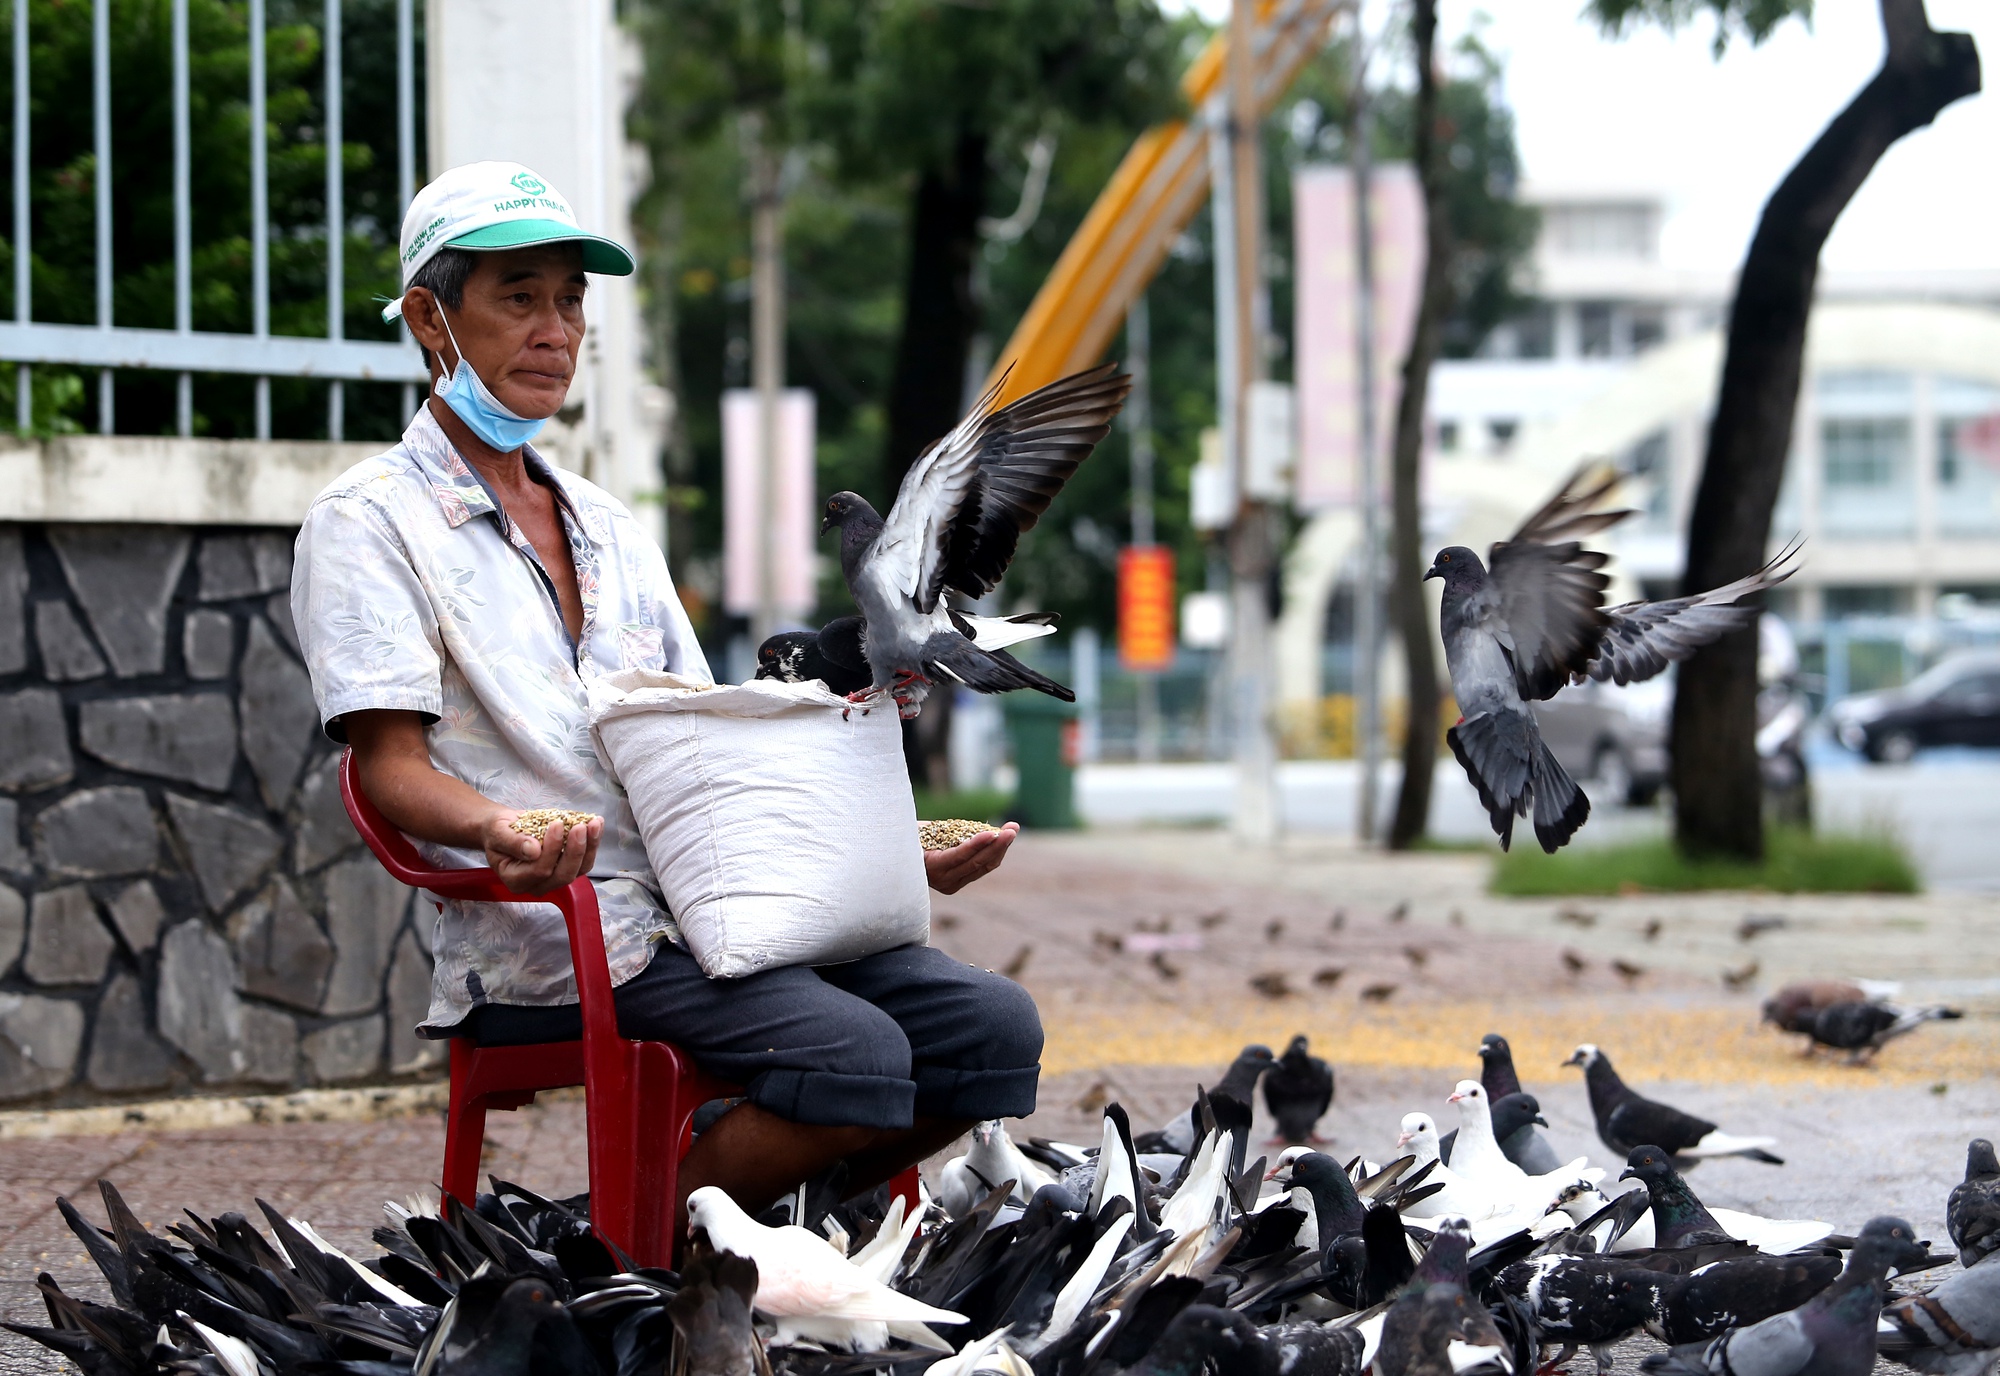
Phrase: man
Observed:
(453, 595)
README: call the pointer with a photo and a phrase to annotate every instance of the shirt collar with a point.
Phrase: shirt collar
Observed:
(462, 494)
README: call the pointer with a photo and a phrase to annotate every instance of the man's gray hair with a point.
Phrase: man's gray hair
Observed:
(444, 277)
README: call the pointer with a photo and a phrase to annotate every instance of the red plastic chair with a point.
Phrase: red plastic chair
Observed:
(638, 1096)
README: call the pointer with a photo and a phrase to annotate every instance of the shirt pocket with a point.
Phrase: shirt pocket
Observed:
(641, 647)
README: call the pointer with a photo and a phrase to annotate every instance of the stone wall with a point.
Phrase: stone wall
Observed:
(183, 903)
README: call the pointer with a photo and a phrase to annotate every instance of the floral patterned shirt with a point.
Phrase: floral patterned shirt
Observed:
(412, 590)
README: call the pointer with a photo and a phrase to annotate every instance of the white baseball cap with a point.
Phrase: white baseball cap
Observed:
(495, 205)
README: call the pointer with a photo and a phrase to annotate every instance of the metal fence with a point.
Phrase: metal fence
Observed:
(108, 346)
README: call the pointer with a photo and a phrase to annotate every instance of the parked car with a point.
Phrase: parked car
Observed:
(1955, 702)
(1612, 737)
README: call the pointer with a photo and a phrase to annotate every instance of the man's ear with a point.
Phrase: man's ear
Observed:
(423, 318)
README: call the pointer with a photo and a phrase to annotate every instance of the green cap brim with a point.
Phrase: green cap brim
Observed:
(600, 255)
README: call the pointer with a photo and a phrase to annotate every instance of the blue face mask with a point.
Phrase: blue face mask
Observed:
(468, 398)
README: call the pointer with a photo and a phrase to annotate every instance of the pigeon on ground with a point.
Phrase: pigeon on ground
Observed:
(711, 1314)
(1862, 1028)
(1239, 1082)
(1515, 1117)
(1972, 1211)
(1298, 1090)
(1478, 1158)
(1793, 1008)
(1582, 1301)
(1517, 632)
(1679, 1220)
(1496, 1067)
(1832, 1334)
(955, 523)
(809, 1289)
(1952, 1331)
(837, 653)
(1626, 1120)
(990, 1161)
(1709, 1301)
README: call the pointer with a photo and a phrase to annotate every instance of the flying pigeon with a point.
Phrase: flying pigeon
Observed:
(1832, 1334)
(809, 1288)
(837, 653)
(1972, 1211)
(1952, 1331)
(1627, 1120)
(1863, 1027)
(1517, 632)
(1298, 1090)
(957, 518)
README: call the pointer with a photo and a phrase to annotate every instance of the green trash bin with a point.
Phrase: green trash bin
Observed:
(1043, 731)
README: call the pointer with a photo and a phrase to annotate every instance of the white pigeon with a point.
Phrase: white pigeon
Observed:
(1419, 1138)
(1774, 1235)
(989, 1162)
(1114, 1171)
(808, 1289)
(1192, 1210)
(1476, 1157)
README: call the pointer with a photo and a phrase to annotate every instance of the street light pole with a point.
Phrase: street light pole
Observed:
(1251, 536)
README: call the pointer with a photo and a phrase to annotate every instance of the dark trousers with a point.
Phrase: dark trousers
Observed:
(870, 1043)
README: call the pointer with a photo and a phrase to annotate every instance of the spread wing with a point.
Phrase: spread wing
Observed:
(1642, 638)
(963, 506)
(1551, 589)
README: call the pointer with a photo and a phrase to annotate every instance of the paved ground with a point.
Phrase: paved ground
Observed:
(1104, 930)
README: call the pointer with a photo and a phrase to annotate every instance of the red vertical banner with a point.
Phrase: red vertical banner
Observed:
(1145, 607)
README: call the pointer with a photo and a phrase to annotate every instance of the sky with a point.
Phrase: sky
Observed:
(1656, 113)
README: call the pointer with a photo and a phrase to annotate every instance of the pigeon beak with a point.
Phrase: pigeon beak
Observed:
(1454, 1098)
(1403, 1139)
(1539, 1121)
(1628, 1174)
(1575, 1058)
(827, 524)
(1433, 572)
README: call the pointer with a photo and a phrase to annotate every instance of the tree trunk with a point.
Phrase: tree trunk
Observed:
(1406, 598)
(940, 317)
(1717, 794)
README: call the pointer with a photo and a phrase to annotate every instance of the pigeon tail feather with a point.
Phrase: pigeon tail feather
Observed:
(1560, 806)
(987, 671)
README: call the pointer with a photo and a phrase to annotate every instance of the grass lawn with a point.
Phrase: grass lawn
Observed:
(973, 804)
(1794, 862)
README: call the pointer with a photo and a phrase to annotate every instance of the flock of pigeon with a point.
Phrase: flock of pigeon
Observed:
(1164, 1253)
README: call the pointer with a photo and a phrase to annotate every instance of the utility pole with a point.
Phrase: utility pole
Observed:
(1251, 535)
(1367, 579)
(1139, 424)
(767, 357)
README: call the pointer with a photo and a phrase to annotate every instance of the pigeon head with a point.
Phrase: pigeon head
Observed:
(1444, 1259)
(1459, 567)
(843, 507)
(711, 1211)
(1256, 1057)
(1890, 1242)
(778, 658)
(1649, 1165)
(1513, 1112)
(988, 1132)
(1493, 1045)
(1980, 1163)
(1586, 1055)
(1468, 1091)
(1296, 1049)
(1418, 1130)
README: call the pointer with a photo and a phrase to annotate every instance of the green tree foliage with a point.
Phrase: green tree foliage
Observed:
(63, 198)
(1751, 19)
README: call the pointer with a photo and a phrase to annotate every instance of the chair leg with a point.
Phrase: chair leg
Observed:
(464, 1131)
(905, 1187)
(658, 1132)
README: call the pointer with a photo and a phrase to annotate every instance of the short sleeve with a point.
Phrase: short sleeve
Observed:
(366, 628)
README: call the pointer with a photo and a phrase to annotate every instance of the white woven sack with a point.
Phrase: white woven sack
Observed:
(781, 833)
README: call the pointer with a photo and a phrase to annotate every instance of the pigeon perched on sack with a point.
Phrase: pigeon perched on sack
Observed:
(837, 653)
(1535, 620)
(956, 521)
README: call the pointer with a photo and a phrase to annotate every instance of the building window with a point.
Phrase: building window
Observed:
(1866, 467)
(1502, 432)
(1594, 334)
(1647, 463)
(1448, 436)
(1968, 457)
(1864, 600)
(1649, 328)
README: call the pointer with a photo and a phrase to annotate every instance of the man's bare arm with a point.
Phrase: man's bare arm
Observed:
(393, 765)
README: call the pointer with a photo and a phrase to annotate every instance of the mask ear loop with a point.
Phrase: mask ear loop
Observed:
(446, 321)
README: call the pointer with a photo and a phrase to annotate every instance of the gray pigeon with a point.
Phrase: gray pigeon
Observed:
(1952, 1331)
(1517, 632)
(956, 520)
(1972, 1211)
(1832, 1334)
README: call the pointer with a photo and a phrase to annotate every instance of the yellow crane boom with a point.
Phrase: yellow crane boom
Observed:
(1149, 200)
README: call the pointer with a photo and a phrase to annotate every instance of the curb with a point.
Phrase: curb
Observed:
(364, 1105)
